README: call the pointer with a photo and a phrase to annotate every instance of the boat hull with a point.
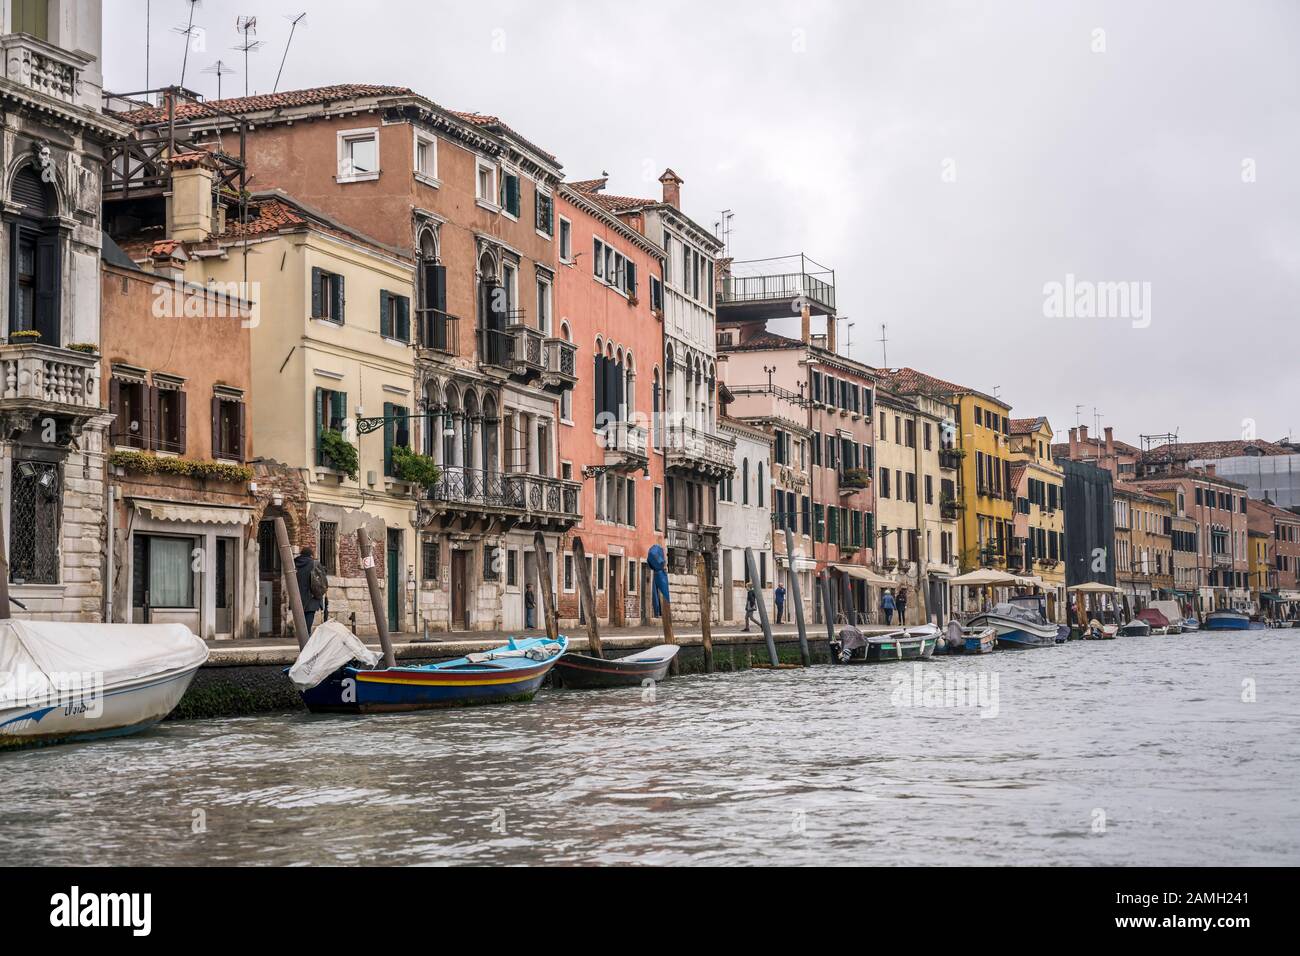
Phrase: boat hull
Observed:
(1135, 629)
(979, 645)
(117, 712)
(581, 672)
(351, 691)
(1226, 621)
(1016, 634)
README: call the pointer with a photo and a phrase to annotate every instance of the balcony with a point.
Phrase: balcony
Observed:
(38, 381)
(689, 449)
(518, 349)
(471, 496)
(950, 508)
(561, 361)
(689, 538)
(439, 332)
(626, 447)
(950, 458)
(43, 67)
(767, 288)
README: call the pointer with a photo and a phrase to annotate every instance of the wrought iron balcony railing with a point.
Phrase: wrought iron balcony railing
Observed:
(518, 492)
(439, 331)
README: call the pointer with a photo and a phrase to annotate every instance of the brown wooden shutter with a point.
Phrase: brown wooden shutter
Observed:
(149, 427)
(180, 422)
(115, 406)
(216, 427)
(243, 432)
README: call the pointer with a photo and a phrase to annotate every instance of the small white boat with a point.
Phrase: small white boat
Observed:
(1020, 622)
(67, 682)
(1135, 628)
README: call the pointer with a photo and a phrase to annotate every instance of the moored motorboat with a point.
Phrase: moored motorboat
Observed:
(1191, 624)
(1135, 628)
(1020, 623)
(1156, 622)
(1098, 631)
(581, 671)
(336, 673)
(1227, 620)
(63, 682)
(1173, 615)
(854, 647)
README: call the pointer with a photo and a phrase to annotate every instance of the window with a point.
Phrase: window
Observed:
(613, 268)
(169, 414)
(34, 523)
(631, 576)
(229, 425)
(568, 572)
(430, 555)
(32, 17)
(545, 212)
(358, 155)
(394, 316)
(510, 202)
(426, 155)
(486, 184)
(397, 433)
(328, 546)
(34, 290)
(326, 296)
(331, 415)
(491, 557)
(566, 240)
(544, 306)
(512, 568)
(128, 400)
(162, 573)
(656, 294)
(659, 503)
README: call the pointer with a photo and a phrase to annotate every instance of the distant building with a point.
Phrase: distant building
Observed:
(1267, 470)
(745, 514)
(1039, 483)
(1089, 523)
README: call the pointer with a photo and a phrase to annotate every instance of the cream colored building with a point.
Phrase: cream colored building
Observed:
(917, 534)
(1039, 487)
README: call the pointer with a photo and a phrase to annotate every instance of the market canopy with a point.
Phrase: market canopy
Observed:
(1031, 581)
(985, 577)
(1094, 587)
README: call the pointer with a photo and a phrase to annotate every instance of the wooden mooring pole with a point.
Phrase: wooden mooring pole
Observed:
(798, 599)
(544, 580)
(376, 596)
(763, 621)
(588, 600)
(291, 583)
(828, 612)
(706, 609)
(4, 571)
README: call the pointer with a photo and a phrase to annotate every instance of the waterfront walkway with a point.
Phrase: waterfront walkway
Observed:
(274, 650)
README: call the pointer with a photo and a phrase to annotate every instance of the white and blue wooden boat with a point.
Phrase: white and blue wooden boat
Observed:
(62, 682)
(1020, 622)
(514, 671)
(913, 643)
(1227, 620)
(1191, 624)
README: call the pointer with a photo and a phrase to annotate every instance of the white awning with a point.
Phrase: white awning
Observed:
(985, 577)
(193, 514)
(866, 574)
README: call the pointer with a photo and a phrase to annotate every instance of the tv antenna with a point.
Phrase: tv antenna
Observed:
(725, 224)
(219, 69)
(247, 27)
(293, 25)
(187, 32)
(884, 347)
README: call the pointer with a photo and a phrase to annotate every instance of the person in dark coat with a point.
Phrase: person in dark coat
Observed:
(302, 566)
(751, 607)
(779, 598)
(530, 607)
(900, 602)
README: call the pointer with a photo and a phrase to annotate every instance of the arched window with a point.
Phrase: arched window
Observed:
(744, 481)
(434, 331)
(34, 278)
(760, 484)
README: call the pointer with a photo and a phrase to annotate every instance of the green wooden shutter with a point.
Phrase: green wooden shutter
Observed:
(388, 438)
(385, 314)
(403, 318)
(631, 277)
(338, 299)
(320, 424)
(317, 300)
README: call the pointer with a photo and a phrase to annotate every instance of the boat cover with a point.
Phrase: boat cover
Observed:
(533, 648)
(331, 646)
(1019, 612)
(1170, 609)
(1153, 617)
(38, 658)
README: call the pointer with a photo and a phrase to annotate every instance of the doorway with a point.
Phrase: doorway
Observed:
(727, 596)
(614, 593)
(226, 573)
(459, 585)
(394, 567)
(530, 577)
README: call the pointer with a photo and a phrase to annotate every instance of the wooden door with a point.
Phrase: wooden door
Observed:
(459, 565)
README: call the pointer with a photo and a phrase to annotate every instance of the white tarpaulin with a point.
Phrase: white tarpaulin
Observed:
(331, 646)
(38, 655)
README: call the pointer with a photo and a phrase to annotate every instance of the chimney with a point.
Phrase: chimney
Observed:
(1074, 443)
(805, 323)
(189, 206)
(672, 188)
(830, 333)
(1083, 434)
(1110, 442)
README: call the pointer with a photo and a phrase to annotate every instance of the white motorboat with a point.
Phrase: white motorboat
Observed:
(1020, 622)
(66, 682)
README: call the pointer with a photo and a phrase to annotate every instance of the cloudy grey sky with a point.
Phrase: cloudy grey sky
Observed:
(948, 160)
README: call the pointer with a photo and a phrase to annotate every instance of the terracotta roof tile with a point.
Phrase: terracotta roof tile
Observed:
(496, 125)
(1026, 426)
(1211, 450)
(264, 101)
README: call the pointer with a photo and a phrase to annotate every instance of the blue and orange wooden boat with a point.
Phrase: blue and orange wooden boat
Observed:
(512, 672)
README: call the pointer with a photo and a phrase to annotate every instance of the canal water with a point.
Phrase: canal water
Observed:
(1160, 750)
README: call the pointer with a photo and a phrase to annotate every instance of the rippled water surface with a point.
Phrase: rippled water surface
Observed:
(1139, 750)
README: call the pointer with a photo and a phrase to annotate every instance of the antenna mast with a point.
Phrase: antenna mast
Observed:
(293, 25)
(219, 69)
(187, 32)
(884, 347)
(247, 27)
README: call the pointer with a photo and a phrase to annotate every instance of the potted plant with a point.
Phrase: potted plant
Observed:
(855, 478)
(24, 337)
(339, 452)
(412, 467)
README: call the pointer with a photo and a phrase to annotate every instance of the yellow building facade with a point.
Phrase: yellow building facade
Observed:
(1039, 548)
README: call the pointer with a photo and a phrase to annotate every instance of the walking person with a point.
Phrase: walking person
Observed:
(779, 597)
(312, 585)
(900, 604)
(751, 607)
(530, 607)
(887, 606)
